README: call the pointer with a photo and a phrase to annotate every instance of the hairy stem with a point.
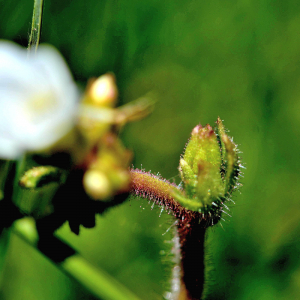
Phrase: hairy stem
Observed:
(190, 227)
(35, 26)
(192, 239)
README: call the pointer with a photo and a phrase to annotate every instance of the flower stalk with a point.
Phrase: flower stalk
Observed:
(190, 227)
(97, 281)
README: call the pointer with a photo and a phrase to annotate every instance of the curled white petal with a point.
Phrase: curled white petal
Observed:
(38, 99)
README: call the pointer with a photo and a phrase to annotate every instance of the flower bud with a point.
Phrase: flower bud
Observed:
(108, 174)
(97, 185)
(209, 169)
(103, 91)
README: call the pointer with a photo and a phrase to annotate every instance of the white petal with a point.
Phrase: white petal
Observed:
(38, 98)
(9, 149)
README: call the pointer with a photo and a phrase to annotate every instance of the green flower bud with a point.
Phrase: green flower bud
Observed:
(209, 169)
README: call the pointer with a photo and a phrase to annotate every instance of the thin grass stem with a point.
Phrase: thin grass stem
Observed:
(36, 25)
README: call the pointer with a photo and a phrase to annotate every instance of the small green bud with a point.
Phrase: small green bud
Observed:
(40, 176)
(209, 169)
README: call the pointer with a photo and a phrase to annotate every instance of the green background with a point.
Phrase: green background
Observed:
(239, 60)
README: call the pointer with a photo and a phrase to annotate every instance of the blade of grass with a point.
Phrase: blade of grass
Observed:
(36, 25)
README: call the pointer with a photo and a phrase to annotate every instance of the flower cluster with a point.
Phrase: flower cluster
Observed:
(44, 115)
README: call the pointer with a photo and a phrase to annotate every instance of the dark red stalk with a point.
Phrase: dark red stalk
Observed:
(191, 227)
(192, 239)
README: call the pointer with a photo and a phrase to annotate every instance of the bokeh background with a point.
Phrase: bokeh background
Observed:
(239, 60)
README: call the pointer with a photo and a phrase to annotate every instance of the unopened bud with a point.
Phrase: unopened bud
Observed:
(103, 91)
(97, 185)
(209, 168)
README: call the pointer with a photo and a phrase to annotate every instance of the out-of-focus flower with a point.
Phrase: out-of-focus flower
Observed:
(98, 112)
(108, 173)
(38, 99)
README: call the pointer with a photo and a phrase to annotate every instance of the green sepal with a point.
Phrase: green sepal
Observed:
(220, 133)
(202, 147)
(232, 163)
(190, 204)
(230, 160)
(210, 184)
(186, 171)
(188, 177)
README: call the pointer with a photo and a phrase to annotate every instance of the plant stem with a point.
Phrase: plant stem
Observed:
(191, 228)
(73, 264)
(35, 26)
(192, 240)
(4, 243)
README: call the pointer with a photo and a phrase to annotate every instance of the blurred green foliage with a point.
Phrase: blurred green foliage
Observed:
(239, 60)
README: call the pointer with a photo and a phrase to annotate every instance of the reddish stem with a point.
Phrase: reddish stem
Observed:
(192, 239)
(191, 227)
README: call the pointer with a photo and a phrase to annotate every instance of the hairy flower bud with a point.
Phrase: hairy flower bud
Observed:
(209, 169)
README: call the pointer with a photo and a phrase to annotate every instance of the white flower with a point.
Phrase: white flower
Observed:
(38, 99)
